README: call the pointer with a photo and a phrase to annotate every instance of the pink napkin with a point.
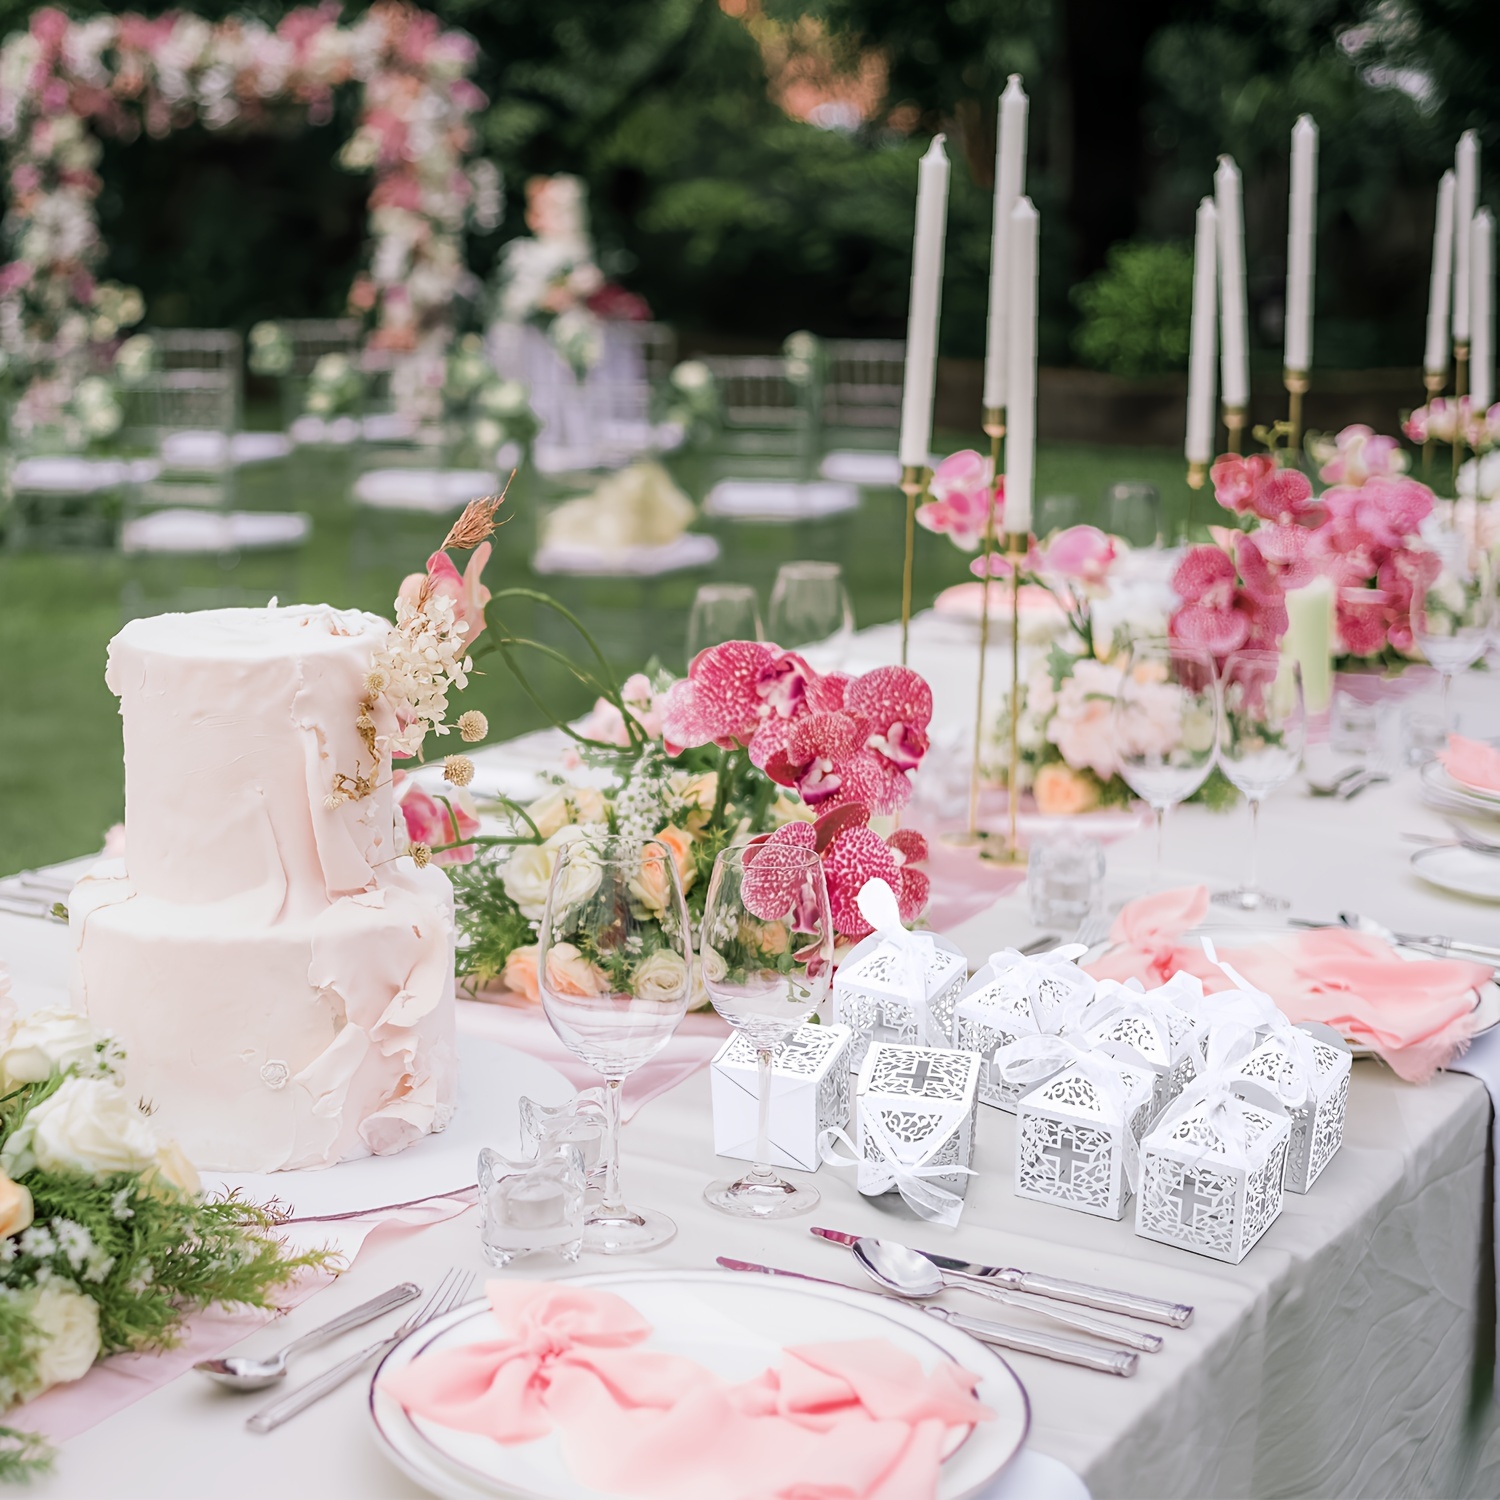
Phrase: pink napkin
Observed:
(852, 1421)
(1418, 1017)
(1472, 763)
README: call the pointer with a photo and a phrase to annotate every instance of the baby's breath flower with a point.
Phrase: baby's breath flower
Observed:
(458, 769)
(472, 726)
(421, 855)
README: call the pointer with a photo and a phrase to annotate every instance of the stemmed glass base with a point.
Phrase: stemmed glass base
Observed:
(623, 1231)
(1250, 898)
(760, 1194)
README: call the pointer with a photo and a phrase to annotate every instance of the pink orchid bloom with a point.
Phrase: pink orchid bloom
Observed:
(1387, 509)
(1255, 486)
(1442, 419)
(429, 822)
(963, 497)
(741, 693)
(1081, 554)
(468, 593)
(1205, 581)
(910, 849)
(1359, 454)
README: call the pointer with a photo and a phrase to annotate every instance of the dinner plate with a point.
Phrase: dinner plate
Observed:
(732, 1323)
(491, 1081)
(1465, 872)
(1440, 787)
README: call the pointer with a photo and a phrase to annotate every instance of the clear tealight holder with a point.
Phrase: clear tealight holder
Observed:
(529, 1206)
(1064, 880)
(579, 1122)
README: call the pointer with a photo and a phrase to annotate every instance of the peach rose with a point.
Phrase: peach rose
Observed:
(651, 885)
(1060, 791)
(520, 972)
(15, 1207)
(680, 843)
(570, 973)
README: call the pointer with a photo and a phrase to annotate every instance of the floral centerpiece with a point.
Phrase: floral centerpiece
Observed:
(106, 1241)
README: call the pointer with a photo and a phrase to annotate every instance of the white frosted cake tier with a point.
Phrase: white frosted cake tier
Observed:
(281, 981)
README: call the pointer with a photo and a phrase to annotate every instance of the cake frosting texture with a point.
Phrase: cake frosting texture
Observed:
(281, 980)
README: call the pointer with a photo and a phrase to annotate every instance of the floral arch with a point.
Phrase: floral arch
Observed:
(63, 81)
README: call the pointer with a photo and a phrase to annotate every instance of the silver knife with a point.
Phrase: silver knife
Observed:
(1103, 1299)
(1121, 1362)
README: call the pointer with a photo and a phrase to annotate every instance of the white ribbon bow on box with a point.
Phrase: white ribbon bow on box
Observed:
(1031, 1060)
(1037, 972)
(924, 1197)
(916, 951)
(1114, 1001)
(1220, 1087)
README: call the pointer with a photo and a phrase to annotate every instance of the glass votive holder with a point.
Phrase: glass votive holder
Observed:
(1423, 734)
(527, 1206)
(579, 1122)
(1355, 726)
(1064, 879)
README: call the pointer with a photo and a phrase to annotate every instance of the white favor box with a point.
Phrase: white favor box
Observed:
(1074, 1147)
(1193, 1196)
(809, 1094)
(919, 1102)
(1163, 1044)
(1318, 1123)
(872, 998)
(998, 1006)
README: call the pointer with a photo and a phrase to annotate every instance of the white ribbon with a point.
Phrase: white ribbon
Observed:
(1034, 1059)
(916, 951)
(1034, 969)
(924, 1197)
(1112, 1001)
(1219, 1086)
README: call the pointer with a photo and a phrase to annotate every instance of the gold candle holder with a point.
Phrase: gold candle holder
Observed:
(1197, 477)
(914, 479)
(1433, 382)
(1009, 851)
(1296, 388)
(1234, 423)
(1460, 390)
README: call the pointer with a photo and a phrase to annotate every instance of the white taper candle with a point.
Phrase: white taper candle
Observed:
(926, 301)
(1301, 237)
(1010, 183)
(1482, 311)
(1020, 375)
(1201, 417)
(1465, 201)
(1234, 318)
(1440, 292)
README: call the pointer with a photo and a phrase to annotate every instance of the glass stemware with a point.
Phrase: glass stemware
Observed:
(615, 972)
(1452, 607)
(1262, 731)
(722, 612)
(766, 947)
(809, 606)
(1132, 509)
(1164, 726)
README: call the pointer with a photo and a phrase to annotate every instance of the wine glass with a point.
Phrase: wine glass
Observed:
(766, 948)
(1132, 509)
(1165, 724)
(809, 605)
(722, 612)
(1262, 730)
(615, 971)
(1452, 605)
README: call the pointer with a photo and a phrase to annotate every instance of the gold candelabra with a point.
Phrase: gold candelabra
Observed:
(1234, 422)
(914, 479)
(1433, 381)
(1460, 390)
(1009, 851)
(1296, 388)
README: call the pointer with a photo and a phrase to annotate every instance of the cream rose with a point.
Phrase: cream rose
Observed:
(68, 1323)
(44, 1043)
(663, 977)
(697, 794)
(173, 1166)
(528, 873)
(89, 1125)
(568, 804)
(15, 1207)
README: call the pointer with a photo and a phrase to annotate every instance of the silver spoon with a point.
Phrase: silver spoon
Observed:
(242, 1372)
(908, 1274)
(1335, 784)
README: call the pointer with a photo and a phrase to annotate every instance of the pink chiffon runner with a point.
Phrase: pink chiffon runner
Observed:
(849, 1421)
(1417, 1017)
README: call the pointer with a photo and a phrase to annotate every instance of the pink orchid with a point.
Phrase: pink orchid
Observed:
(1387, 509)
(1255, 486)
(468, 593)
(429, 822)
(741, 693)
(1359, 454)
(963, 499)
(647, 707)
(1442, 419)
(1081, 554)
(1220, 613)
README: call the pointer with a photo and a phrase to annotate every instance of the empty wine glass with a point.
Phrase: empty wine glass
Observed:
(614, 971)
(1057, 513)
(722, 612)
(1262, 730)
(1452, 604)
(766, 947)
(1165, 724)
(809, 605)
(1132, 509)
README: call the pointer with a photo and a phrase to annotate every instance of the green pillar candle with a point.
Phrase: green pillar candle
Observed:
(1309, 640)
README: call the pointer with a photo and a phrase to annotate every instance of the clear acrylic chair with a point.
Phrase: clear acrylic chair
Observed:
(219, 350)
(188, 417)
(862, 389)
(311, 339)
(770, 423)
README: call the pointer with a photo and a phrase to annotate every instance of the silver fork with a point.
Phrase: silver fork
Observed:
(1094, 929)
(452, 1291)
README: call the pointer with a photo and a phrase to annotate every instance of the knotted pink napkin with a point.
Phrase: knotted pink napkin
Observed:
(1418, 1017)
(1472, 763)
(853, 1421)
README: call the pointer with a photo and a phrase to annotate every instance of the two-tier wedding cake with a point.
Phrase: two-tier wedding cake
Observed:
(281, 980)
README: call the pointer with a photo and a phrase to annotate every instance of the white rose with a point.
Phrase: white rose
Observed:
(663, 977)
(528, 873)
(89, 1125)
(582, 873)
(46, 1042)
(68, 1323)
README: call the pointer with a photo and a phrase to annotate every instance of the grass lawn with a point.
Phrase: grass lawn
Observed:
(61, 783)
